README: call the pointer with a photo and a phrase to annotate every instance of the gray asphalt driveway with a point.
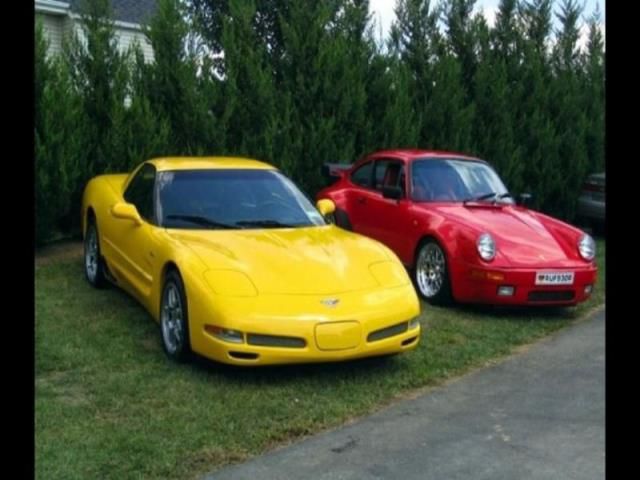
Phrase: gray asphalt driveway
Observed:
(537, 415)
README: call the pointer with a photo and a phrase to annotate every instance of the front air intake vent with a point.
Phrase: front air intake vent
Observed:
(244, 355)
(275, 341)
(388, 332)
(551, 296)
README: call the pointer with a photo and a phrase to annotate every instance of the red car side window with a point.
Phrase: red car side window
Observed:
(389, 173)
(361, 176)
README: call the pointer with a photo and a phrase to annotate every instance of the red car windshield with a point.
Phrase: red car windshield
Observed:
(452, 180)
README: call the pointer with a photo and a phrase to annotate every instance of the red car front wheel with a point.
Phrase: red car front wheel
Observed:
(431, 274)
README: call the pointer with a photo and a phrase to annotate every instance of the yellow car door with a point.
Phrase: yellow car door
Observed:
(132, 234)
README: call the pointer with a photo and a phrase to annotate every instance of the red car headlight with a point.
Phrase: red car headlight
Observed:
(587, 247)
(486, 247)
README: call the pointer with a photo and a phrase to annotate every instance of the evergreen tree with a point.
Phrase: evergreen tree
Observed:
(355, 29)
(569, 116)
(506, 34)
(392, 120)
(323, 90)
(535, 16)
(141, 131)
(58, 143)
(593, 93)
(210, 16)
(100, 75)
(508, 46)
(250, 97)
(414, 38)
(566, 53)
(494, 126)
(462, 38)
(448, 120)
(497, 94)
(303, 83)
(173, 82)
(536, 126)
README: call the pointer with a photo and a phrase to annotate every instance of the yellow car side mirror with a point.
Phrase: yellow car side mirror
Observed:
(126, 211)
(326, 207)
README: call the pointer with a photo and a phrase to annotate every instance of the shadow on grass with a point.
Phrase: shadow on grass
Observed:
(253, 374)
(282, 374)
(550, 313)
(506, 312)
(332, 372)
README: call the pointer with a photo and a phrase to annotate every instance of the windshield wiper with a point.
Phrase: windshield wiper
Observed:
(199, 220)
(264, 223)
(492, 195)
(480, 197)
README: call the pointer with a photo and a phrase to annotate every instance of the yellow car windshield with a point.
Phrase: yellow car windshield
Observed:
(231, 199)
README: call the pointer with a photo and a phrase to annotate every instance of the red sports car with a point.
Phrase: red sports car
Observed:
(453, 223)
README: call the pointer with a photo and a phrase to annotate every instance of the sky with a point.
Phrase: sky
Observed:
(382, 12)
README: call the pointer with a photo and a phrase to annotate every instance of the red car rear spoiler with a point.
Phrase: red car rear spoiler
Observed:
(334, 171)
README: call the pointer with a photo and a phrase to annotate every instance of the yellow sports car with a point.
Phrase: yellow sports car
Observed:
(236, 265)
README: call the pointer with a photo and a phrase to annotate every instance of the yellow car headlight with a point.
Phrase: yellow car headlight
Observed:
(231, 283)
(226, 334)
(389, 274)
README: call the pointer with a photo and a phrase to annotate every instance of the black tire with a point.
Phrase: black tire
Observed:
(93, 263)
(174, 319)
(342, 219)
(431, 263)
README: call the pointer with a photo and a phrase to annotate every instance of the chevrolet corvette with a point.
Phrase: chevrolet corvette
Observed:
(236, 265)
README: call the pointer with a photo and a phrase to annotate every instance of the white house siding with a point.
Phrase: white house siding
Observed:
(54, 28)
(127, 37)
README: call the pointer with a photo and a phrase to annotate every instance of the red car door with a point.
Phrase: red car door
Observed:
(358, 193)
(388, 220)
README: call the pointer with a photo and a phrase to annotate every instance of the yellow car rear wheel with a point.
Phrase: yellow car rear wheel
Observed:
(93, 263)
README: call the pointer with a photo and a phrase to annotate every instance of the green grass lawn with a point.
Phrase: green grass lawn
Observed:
(110, 405)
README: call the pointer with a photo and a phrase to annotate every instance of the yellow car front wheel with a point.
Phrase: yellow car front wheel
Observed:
(174, 318)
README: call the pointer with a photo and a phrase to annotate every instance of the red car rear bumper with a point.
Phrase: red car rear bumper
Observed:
(478, 284)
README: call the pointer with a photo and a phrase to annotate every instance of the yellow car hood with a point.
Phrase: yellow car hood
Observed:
(296, 261)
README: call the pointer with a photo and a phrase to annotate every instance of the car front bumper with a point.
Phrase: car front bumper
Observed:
(361, 325)
(475, 284)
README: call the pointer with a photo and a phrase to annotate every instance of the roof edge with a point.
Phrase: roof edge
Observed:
(117, 23)
(52, 6)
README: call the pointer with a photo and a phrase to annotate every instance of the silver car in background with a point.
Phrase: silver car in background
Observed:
(591, 203)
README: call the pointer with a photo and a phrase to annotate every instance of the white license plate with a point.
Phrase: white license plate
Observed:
(554, 278)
